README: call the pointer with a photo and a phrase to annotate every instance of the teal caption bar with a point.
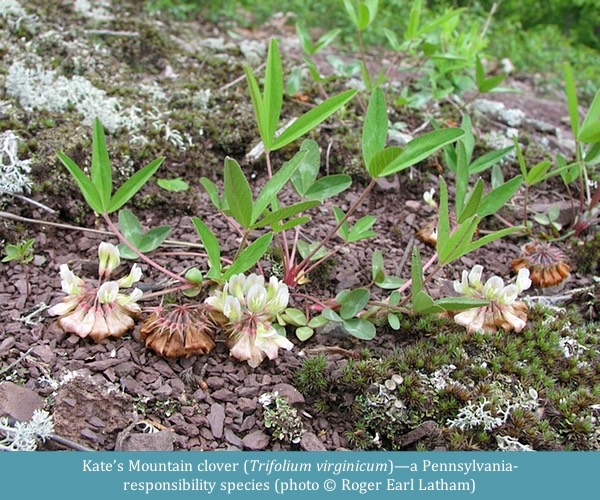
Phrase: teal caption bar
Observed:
(266, 475)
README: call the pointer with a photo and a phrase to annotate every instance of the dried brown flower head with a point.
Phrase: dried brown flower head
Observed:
(177, 330)
(546, 264)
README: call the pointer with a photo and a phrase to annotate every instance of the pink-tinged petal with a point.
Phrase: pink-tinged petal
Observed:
(117, 321)
(80, 322)
(509, 315)
(471, 319)
(100, 329)
(242, 348)
(64, 307)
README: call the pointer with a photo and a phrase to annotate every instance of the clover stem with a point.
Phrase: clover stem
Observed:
(147, 260)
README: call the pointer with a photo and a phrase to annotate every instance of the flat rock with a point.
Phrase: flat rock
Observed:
(216, 418)
(290, 392)
(233, 439)
(154, 441)
(224, 395)
(310, 442)
(18, 402)
(256, 441)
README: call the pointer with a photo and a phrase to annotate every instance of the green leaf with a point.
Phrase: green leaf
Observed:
(211, 245)
(272, 188)
(496, 177)
(390, 283)
(343, 230)
(382, 159)
(130, 226)
(285, 213)
(292, 223)
(350, 9)
(101, 171)
(312, 118)
(154, 238)
(423, 303)
(479, 73)
(360, 328)
(329, 186)
(571, 92)
(491, 83)
(469, 139)
(294, 317)
(460, 303)
(537, 172)
(273, 92)
(309, 162)
(590, 133)
(377, 269)
(416, 271)
(238, 193)
(132, 185)
(414, 20)
(489, 159)
(317, 322)
(304, 333)
(393, 321)
(488, 238)
(593, 114)
(392, 39)
(87, 188)
(443, 228)
(394, 298)
(495, 199)
(353, 302)
(304, 39)
(174, 185)
(194, 275)
(520, 157)
(457, 244)
(249, 256)
(375, 128)
(472, 202)
(360, 230)
(211, 189)
(422, 147)
(331, 315)
(259, 107)
(326, 39)
(462, 178)
(306, 249)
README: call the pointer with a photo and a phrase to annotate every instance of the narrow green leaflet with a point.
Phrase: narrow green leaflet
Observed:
(590, 133)
(238, 193)
(132, 185)
(271, 189)
(130, 226)
(101, 171)
(375, 128)
(285, 213)
(382, 159)
(414, 20)
(291, 224)
(457, 244)
(329, 186)
(361, 230)
(211, 245)
(443, 228)
(306, 249)
(488, 238)
(312, 118)
(273, 92)
(495, 199)
(154, 238)
(488, 160)
(593, 114)
(309, 161)
(460, 303)
(326, 40)
(537, 172)
(571, 92)
(259, 108)
(416, 271)
(249, 256)
(472, 202)
(462, 178)
(424, 304)
(87, 188)
(421, 147)
(304, 39)
(377, 269)
(176, 185)
(212, 191)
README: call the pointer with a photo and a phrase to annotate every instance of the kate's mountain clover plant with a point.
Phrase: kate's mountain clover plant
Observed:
(249, 310)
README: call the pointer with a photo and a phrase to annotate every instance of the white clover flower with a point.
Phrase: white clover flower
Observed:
(250, 308)
(109, 259)
(428, 197)
(503, 311)
(98, 310)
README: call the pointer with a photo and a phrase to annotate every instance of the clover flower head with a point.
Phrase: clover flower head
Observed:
(98, 310)
(503, 310)
(545, 262)
(249, 306)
